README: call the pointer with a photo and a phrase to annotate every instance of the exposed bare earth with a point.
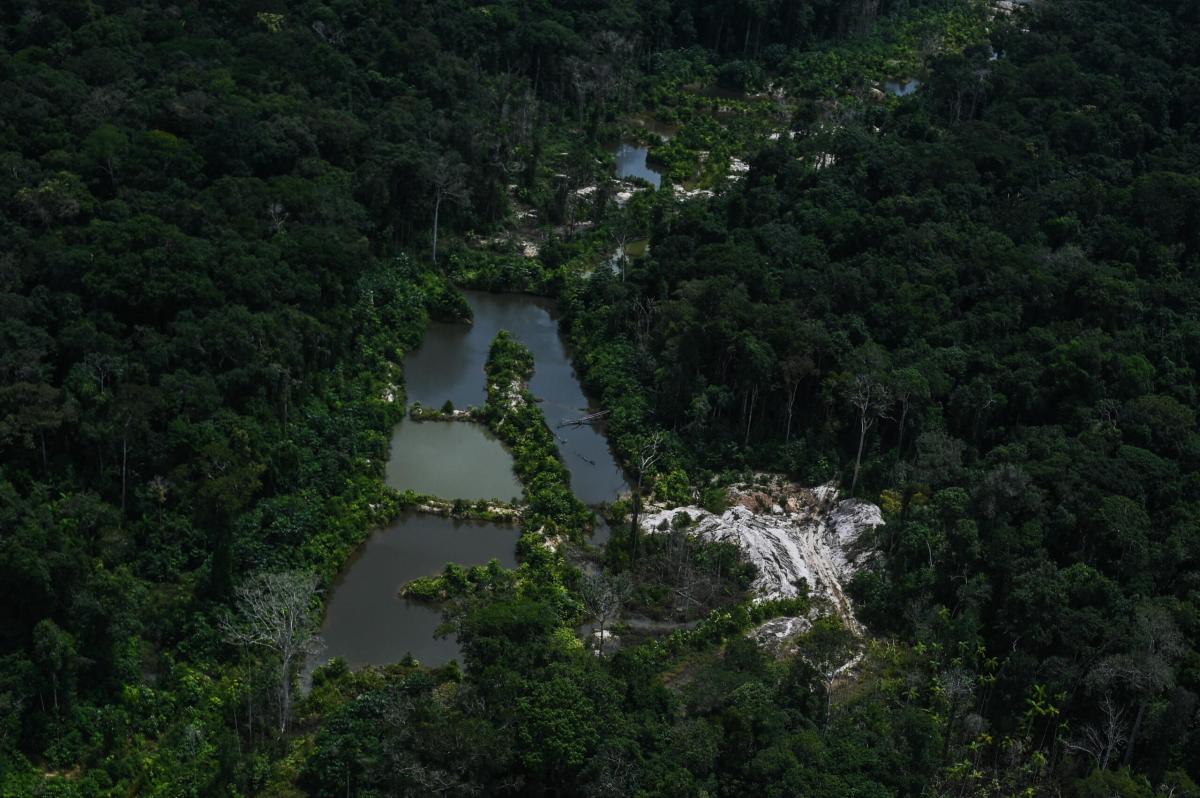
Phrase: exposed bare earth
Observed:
(790, 533)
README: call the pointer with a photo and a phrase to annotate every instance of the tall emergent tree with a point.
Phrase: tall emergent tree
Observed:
(275, 612)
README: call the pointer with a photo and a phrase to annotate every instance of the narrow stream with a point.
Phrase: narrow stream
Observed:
(366, 621)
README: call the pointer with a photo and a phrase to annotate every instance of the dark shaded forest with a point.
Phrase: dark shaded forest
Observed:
(985, 311)
(223, 224)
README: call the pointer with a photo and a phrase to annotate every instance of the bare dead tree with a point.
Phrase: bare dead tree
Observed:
(648, 454)
(447, 179)
(1101, 741)
(603, 596)
(159, 488)
(909, 387)
(275, 612)
(332, 37)
(871, 398)
(1146, 669)
(644, 311)
(1159, 645)
(694, 590)
(104, 369)
(957, 687)
(620, 238)
(828, 648)
(10, 706)
(612, 774)
(794, 371)
(277, 216)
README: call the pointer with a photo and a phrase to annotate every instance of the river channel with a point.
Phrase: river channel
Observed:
(366, 621)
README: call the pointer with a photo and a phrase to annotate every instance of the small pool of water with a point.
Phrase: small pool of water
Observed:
(901, 88)
(601, 532)
(631, 162)
(451, 460)
(367, 623)
(664, 130)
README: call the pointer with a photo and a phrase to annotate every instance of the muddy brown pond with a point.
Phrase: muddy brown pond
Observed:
(452, 459)
(366, 621)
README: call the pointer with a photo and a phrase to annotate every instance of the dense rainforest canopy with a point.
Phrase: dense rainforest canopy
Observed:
(978, 306)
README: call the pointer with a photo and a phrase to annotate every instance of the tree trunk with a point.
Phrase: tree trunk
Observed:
(862, 436)
(828, 705)
(633, 528)
(949, 732)
(285, 695)
(250, 709)
(124, 471)
(750, 416)
(1133, 733)
(437, 206)
(791, 401)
